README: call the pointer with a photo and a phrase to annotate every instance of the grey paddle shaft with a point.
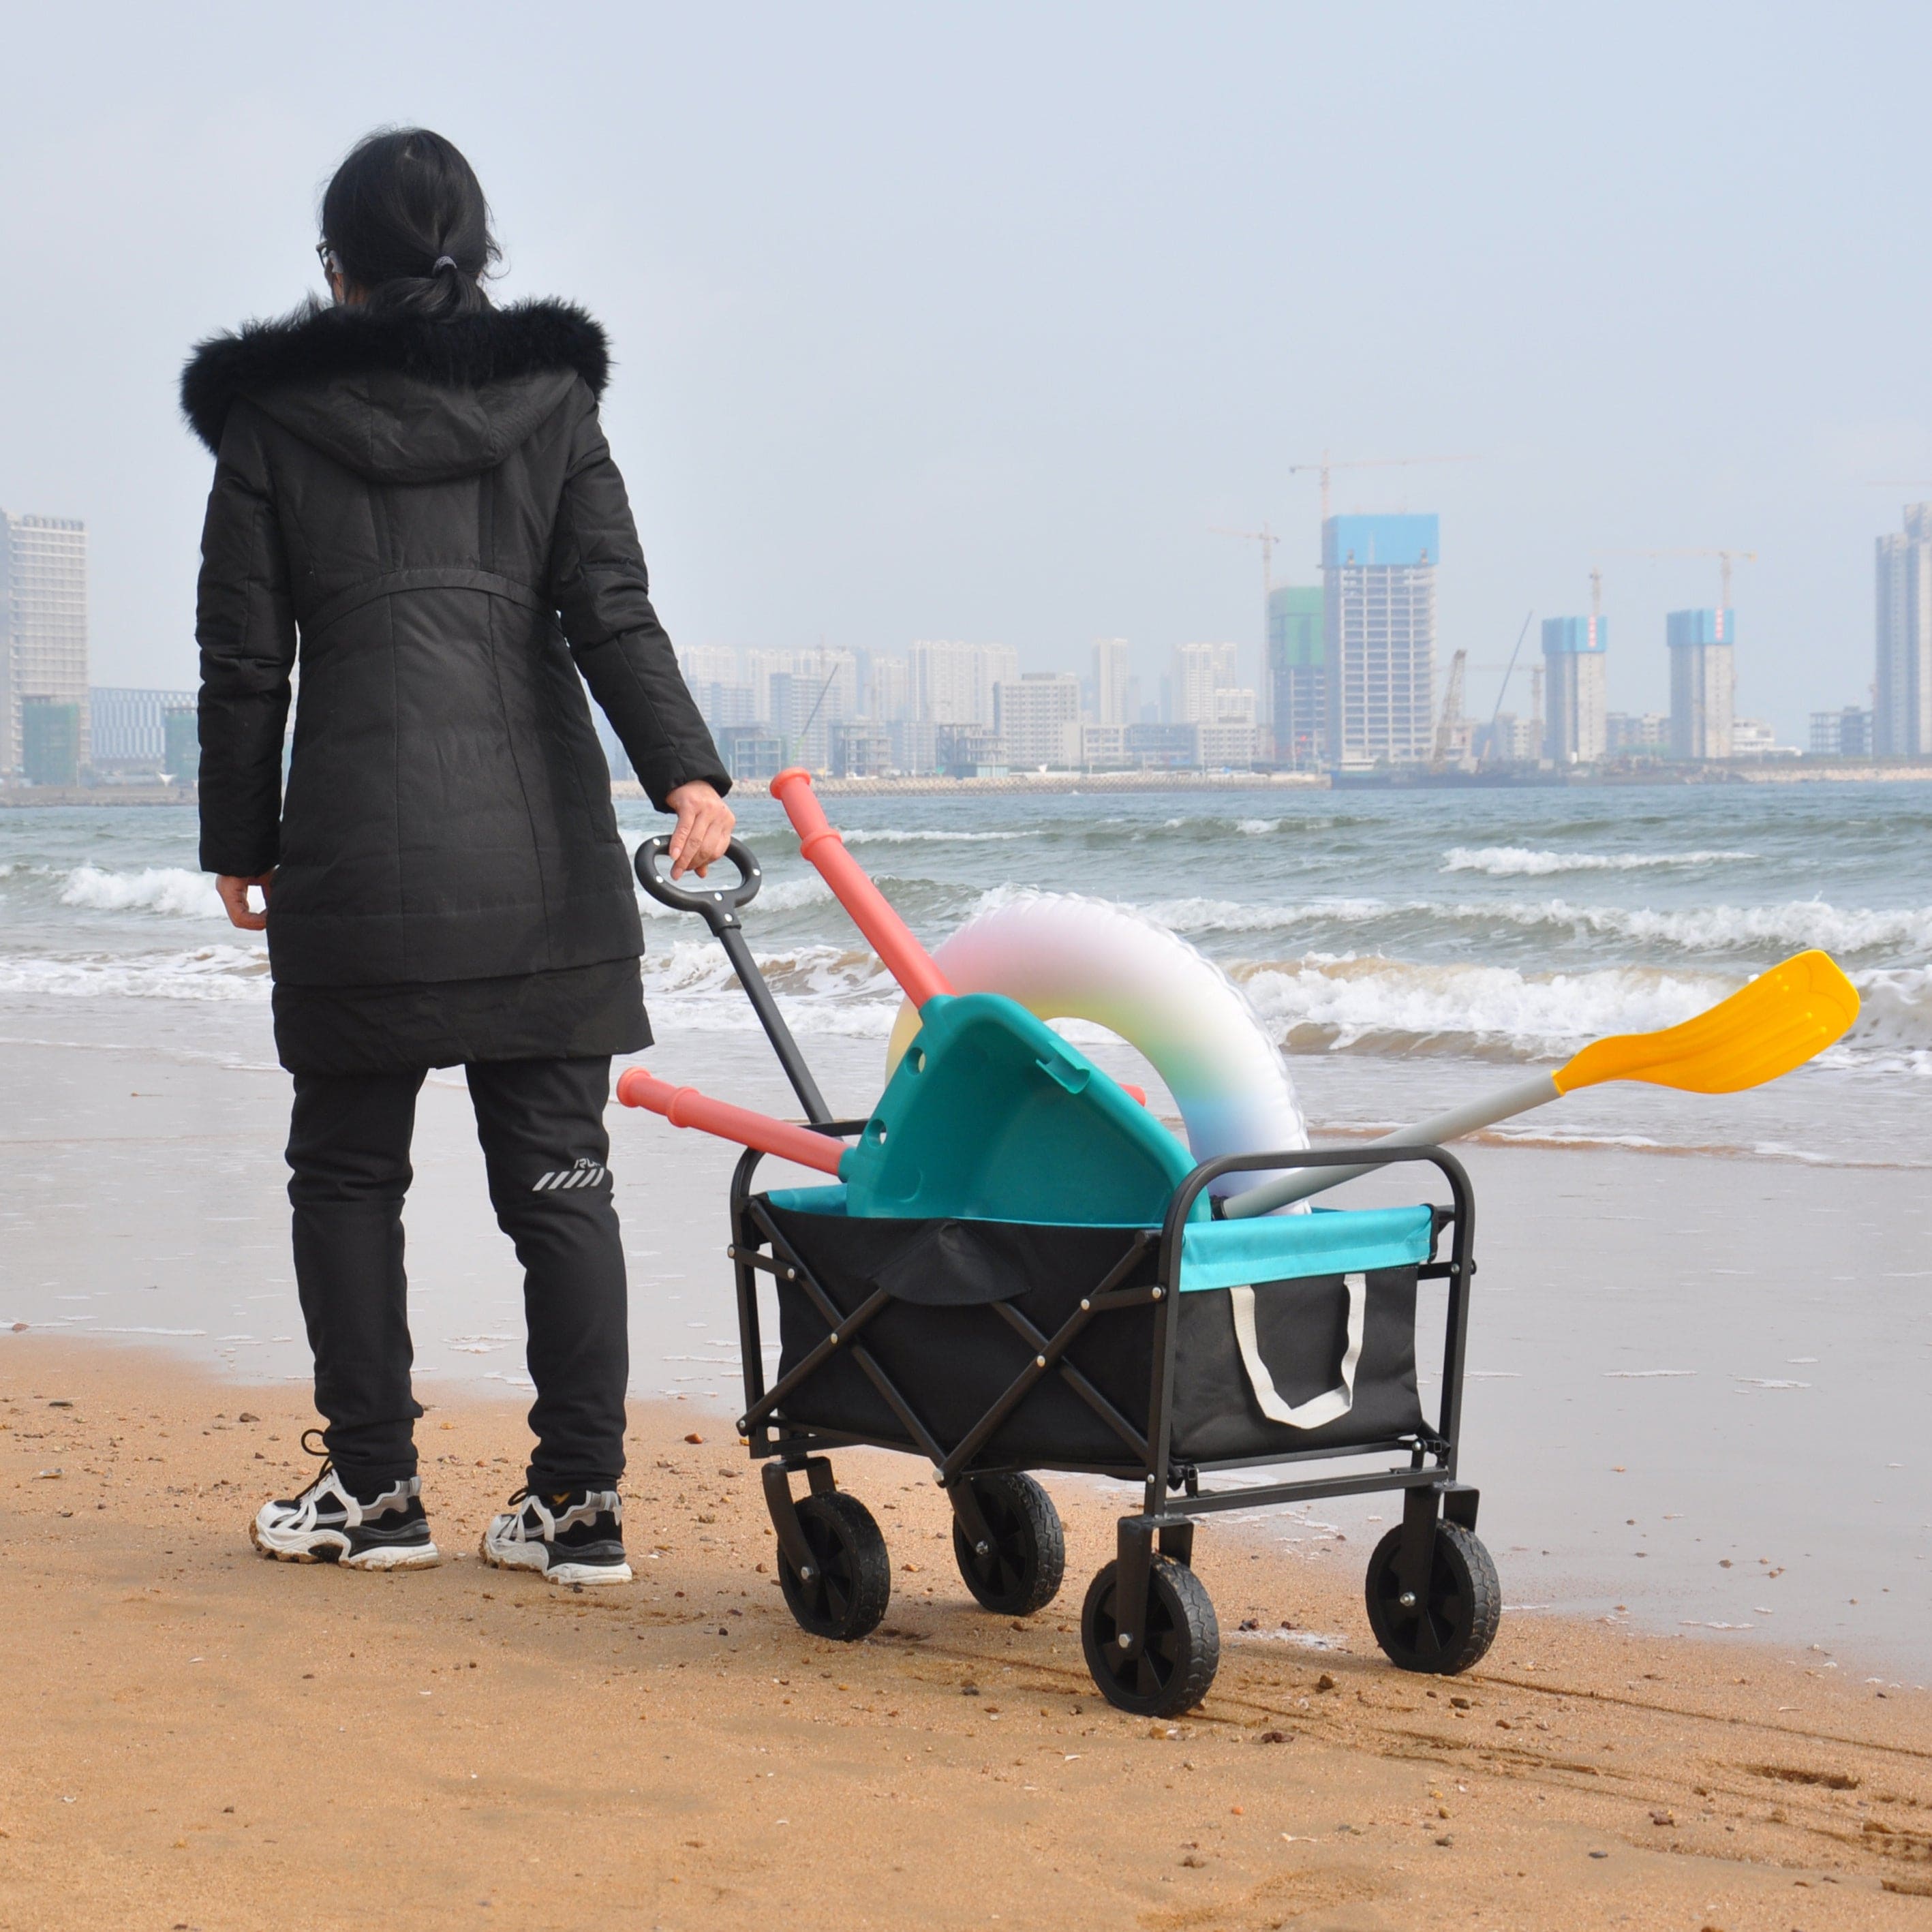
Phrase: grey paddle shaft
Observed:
(1298, 1185)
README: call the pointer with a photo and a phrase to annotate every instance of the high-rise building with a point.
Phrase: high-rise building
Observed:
(807, 707)
(1703, 681)
(1295, 673)
(710, 664)
(837, 670)
(953, 683)
(181, 744)
(1379, 612)
(890, 692)
(1037, 718)
(1902, 706)
(1111, 677)
(1574, 653)
(1199, 671)
(43, 626)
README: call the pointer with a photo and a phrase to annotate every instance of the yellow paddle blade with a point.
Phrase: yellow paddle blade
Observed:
(1783, 1019)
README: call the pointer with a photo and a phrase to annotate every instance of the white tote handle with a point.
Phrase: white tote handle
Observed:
(1318, 1409)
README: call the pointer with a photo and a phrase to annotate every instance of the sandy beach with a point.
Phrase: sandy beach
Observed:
(200, 1738)
(1697, 1363)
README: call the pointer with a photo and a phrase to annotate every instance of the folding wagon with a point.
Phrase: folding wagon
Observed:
(1019, 1270)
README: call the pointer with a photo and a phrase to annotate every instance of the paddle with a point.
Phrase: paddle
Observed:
(1787, 1015)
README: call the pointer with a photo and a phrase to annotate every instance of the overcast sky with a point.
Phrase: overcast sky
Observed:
(977, 321)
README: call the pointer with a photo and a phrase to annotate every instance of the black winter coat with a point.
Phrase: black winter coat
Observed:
(432, 508)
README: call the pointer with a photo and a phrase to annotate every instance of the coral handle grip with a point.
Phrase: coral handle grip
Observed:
(686, 1107)
(905, 959)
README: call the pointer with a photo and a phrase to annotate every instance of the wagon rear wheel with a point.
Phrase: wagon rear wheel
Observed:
(1453, 1623)
(1176, 1664)
(1019, 1570)
(851, 1582)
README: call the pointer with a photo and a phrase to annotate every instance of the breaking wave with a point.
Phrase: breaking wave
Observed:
(1515, 861)
(883, 835)
(211, 972)
(169, 890)
(1706, 929)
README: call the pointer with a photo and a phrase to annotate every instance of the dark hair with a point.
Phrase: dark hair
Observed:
(405, 218)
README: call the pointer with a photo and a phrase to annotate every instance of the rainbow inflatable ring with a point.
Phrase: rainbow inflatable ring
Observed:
(1062, 956)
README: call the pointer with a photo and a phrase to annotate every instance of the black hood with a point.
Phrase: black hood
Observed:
(399, 397)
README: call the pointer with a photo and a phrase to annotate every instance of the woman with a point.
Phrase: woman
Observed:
(415, 483)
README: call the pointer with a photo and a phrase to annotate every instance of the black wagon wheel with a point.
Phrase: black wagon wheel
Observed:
(1177, 1662)
(1450, 1628)
(851, 1582)
(1019, 1571)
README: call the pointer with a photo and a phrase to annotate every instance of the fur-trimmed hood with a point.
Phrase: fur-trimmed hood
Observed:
(399, 397)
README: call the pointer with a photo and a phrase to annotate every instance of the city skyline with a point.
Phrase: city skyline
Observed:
(1105, 301)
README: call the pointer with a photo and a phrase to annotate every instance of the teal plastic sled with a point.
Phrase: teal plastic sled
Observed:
(991, 1116)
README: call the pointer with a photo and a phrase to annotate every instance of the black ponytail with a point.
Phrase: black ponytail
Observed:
(406, 220)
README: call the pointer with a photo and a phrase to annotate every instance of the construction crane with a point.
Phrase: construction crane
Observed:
(1452, 728)
(1725, 558)
(1510, 672)
(1326, 464)
(1267, 539)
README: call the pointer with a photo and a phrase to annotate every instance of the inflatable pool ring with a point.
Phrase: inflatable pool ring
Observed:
(1064, 957)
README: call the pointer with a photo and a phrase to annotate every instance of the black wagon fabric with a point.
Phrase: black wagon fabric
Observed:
(952, 1361)
(432, 509)
(1301, 1333)
(951, 1355)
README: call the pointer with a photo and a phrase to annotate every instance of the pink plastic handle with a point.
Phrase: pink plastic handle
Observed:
(686, 1107)
(905, 959)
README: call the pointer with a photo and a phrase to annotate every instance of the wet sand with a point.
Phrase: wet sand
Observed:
(197, 1738)
(1695, 1382)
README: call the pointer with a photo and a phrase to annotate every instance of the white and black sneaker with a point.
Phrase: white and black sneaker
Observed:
(328, 1522)
(575, 1536)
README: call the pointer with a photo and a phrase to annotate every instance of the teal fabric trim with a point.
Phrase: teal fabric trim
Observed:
(809, 1200)
(1283, 1247)
(1235, 1254)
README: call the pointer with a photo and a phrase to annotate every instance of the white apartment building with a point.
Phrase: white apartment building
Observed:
(1037, 718)
(1378, 607)
(836, 670)
(43, 623)
(1111, 677)
(1199, 671)
(891, 690)
(953, 683)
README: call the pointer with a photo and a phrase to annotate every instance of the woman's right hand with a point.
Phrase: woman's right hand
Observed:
(235, 897)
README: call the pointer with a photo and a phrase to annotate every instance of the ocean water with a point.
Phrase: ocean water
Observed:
(1401, 948)
(1701, 1340)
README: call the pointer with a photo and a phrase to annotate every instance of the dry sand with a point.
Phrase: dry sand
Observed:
(196, 1737)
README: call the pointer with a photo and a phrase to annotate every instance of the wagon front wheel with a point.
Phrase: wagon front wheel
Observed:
(1019, 1569)
(851, 1581)
(1175, 1664)
(1449, 1628)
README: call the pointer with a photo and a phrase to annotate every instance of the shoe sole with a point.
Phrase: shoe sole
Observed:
(514, 1558)
(332, 1546)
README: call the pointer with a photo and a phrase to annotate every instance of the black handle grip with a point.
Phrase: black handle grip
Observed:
(717, 906)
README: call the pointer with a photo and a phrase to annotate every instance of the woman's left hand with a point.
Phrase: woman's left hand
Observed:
(703, 829)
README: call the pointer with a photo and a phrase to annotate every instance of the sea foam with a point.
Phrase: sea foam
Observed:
(1515, 861)
(169, 890)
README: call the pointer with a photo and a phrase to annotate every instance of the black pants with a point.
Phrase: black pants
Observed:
(540, 1123)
